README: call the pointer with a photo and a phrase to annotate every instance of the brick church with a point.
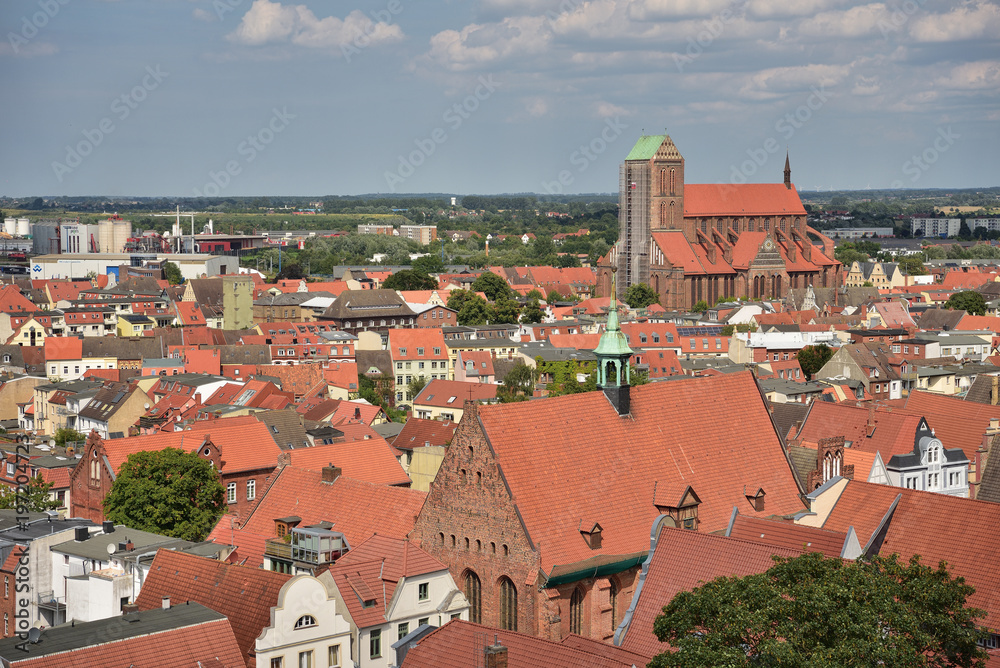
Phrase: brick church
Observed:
(543, 510)
(694, 242)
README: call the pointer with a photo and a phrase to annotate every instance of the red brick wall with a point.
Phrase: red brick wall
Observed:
(435, 317)
(475, 506)
(8, 604)
(471, 508)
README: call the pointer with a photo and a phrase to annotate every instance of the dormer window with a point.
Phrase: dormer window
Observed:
(305, 621)
(591, 532)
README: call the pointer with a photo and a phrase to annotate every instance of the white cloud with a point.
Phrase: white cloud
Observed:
(772, 9)
(203, 15)
(983, 75)
(973, 21)
(778, 81)
(478, 45)
(866, 86)
(272, 22)
(29, 50)
(655, 10)
(854, 22)
(536, 107)
(606, 109)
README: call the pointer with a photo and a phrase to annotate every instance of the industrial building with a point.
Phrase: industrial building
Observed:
(78, 265)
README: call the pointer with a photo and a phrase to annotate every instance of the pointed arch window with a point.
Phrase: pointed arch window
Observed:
(508, 604)
(576, 612)
(473, 593)
(613, 602)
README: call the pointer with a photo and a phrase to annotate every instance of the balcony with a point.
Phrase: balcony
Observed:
(278, 548)
(47, 600)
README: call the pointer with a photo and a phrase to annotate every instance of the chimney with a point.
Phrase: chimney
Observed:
(165, 603)
(108, 526)
(619, 397)
(496, 655)
(331, 473)
(81, 534)
(130, 612)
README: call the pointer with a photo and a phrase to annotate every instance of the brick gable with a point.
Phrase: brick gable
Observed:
(470, 501)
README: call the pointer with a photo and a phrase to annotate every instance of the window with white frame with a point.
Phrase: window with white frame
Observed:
(251, 490)
(231, 492)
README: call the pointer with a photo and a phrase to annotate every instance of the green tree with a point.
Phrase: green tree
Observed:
(33, 498)
(969, 301)
(290, 271)
(935, 252)
(415, 386)
(553, 297)
(811, 611)
(458, 298)
(532, 312)
(813, 358)
(62, 436)
(506, 311)
(473, 311)
(518, 384)
(544, 250)
(568, 260)
(170, 492)
(912, 265)
(172, 273)
(409, 279)
(700, 306)
(535, 293)
(492, 286)
(640, 295)
(428, 264)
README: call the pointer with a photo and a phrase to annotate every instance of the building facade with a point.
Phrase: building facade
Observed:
(702, 242)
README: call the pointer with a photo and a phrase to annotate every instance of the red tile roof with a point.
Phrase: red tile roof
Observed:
(418, 432)
(578, 341)
(894, 432)
(704, 557)
(374, 568)
(452, 393)
(13, 302)
(979, 323)
(746, 199)
(343, 375)
(558, 480)
(459, 644)
(63, 348)
(404, 344)
(372, 460)
(208, 644)
(243, 446)
(241, 593)
(786, 534)
(938, 527)
(357, 509)
(958, 423)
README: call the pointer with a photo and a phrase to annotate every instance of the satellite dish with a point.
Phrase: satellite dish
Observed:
(52, 442)
(146, 406)
(111, 548)
(34, 634)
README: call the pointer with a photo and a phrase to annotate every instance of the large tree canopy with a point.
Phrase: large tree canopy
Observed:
(816, 612)
(493, 286)
(640, 295)
(170, 492)
(410, 279)
(969, 301)
(813, 358)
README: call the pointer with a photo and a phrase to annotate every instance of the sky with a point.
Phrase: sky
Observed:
(265, 97)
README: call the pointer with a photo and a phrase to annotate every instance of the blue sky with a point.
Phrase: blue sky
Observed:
(260, 97)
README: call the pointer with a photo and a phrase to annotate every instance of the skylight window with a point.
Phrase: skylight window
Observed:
(452, 399)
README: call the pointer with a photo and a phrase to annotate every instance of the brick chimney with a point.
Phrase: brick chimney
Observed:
(496, 655)
(331, 473)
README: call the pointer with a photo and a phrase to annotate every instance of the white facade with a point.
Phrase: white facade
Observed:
(935, 227)
(431, 598)
(192, 265)
(991, 224)
(931, 468)
(307, 628)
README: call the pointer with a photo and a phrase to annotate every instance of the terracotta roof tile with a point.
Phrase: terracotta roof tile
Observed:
(459, 644)
(894, 432)
(226, 588)
(958, 423)
(938, 527)
(747, 199)
(705, 557)
(557, 480)
(372, 460)
(786, 534)
(357, 509)
(445, 393)
(418, 432)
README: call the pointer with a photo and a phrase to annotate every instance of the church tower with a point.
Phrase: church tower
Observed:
(613, 354)
(788, 173)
